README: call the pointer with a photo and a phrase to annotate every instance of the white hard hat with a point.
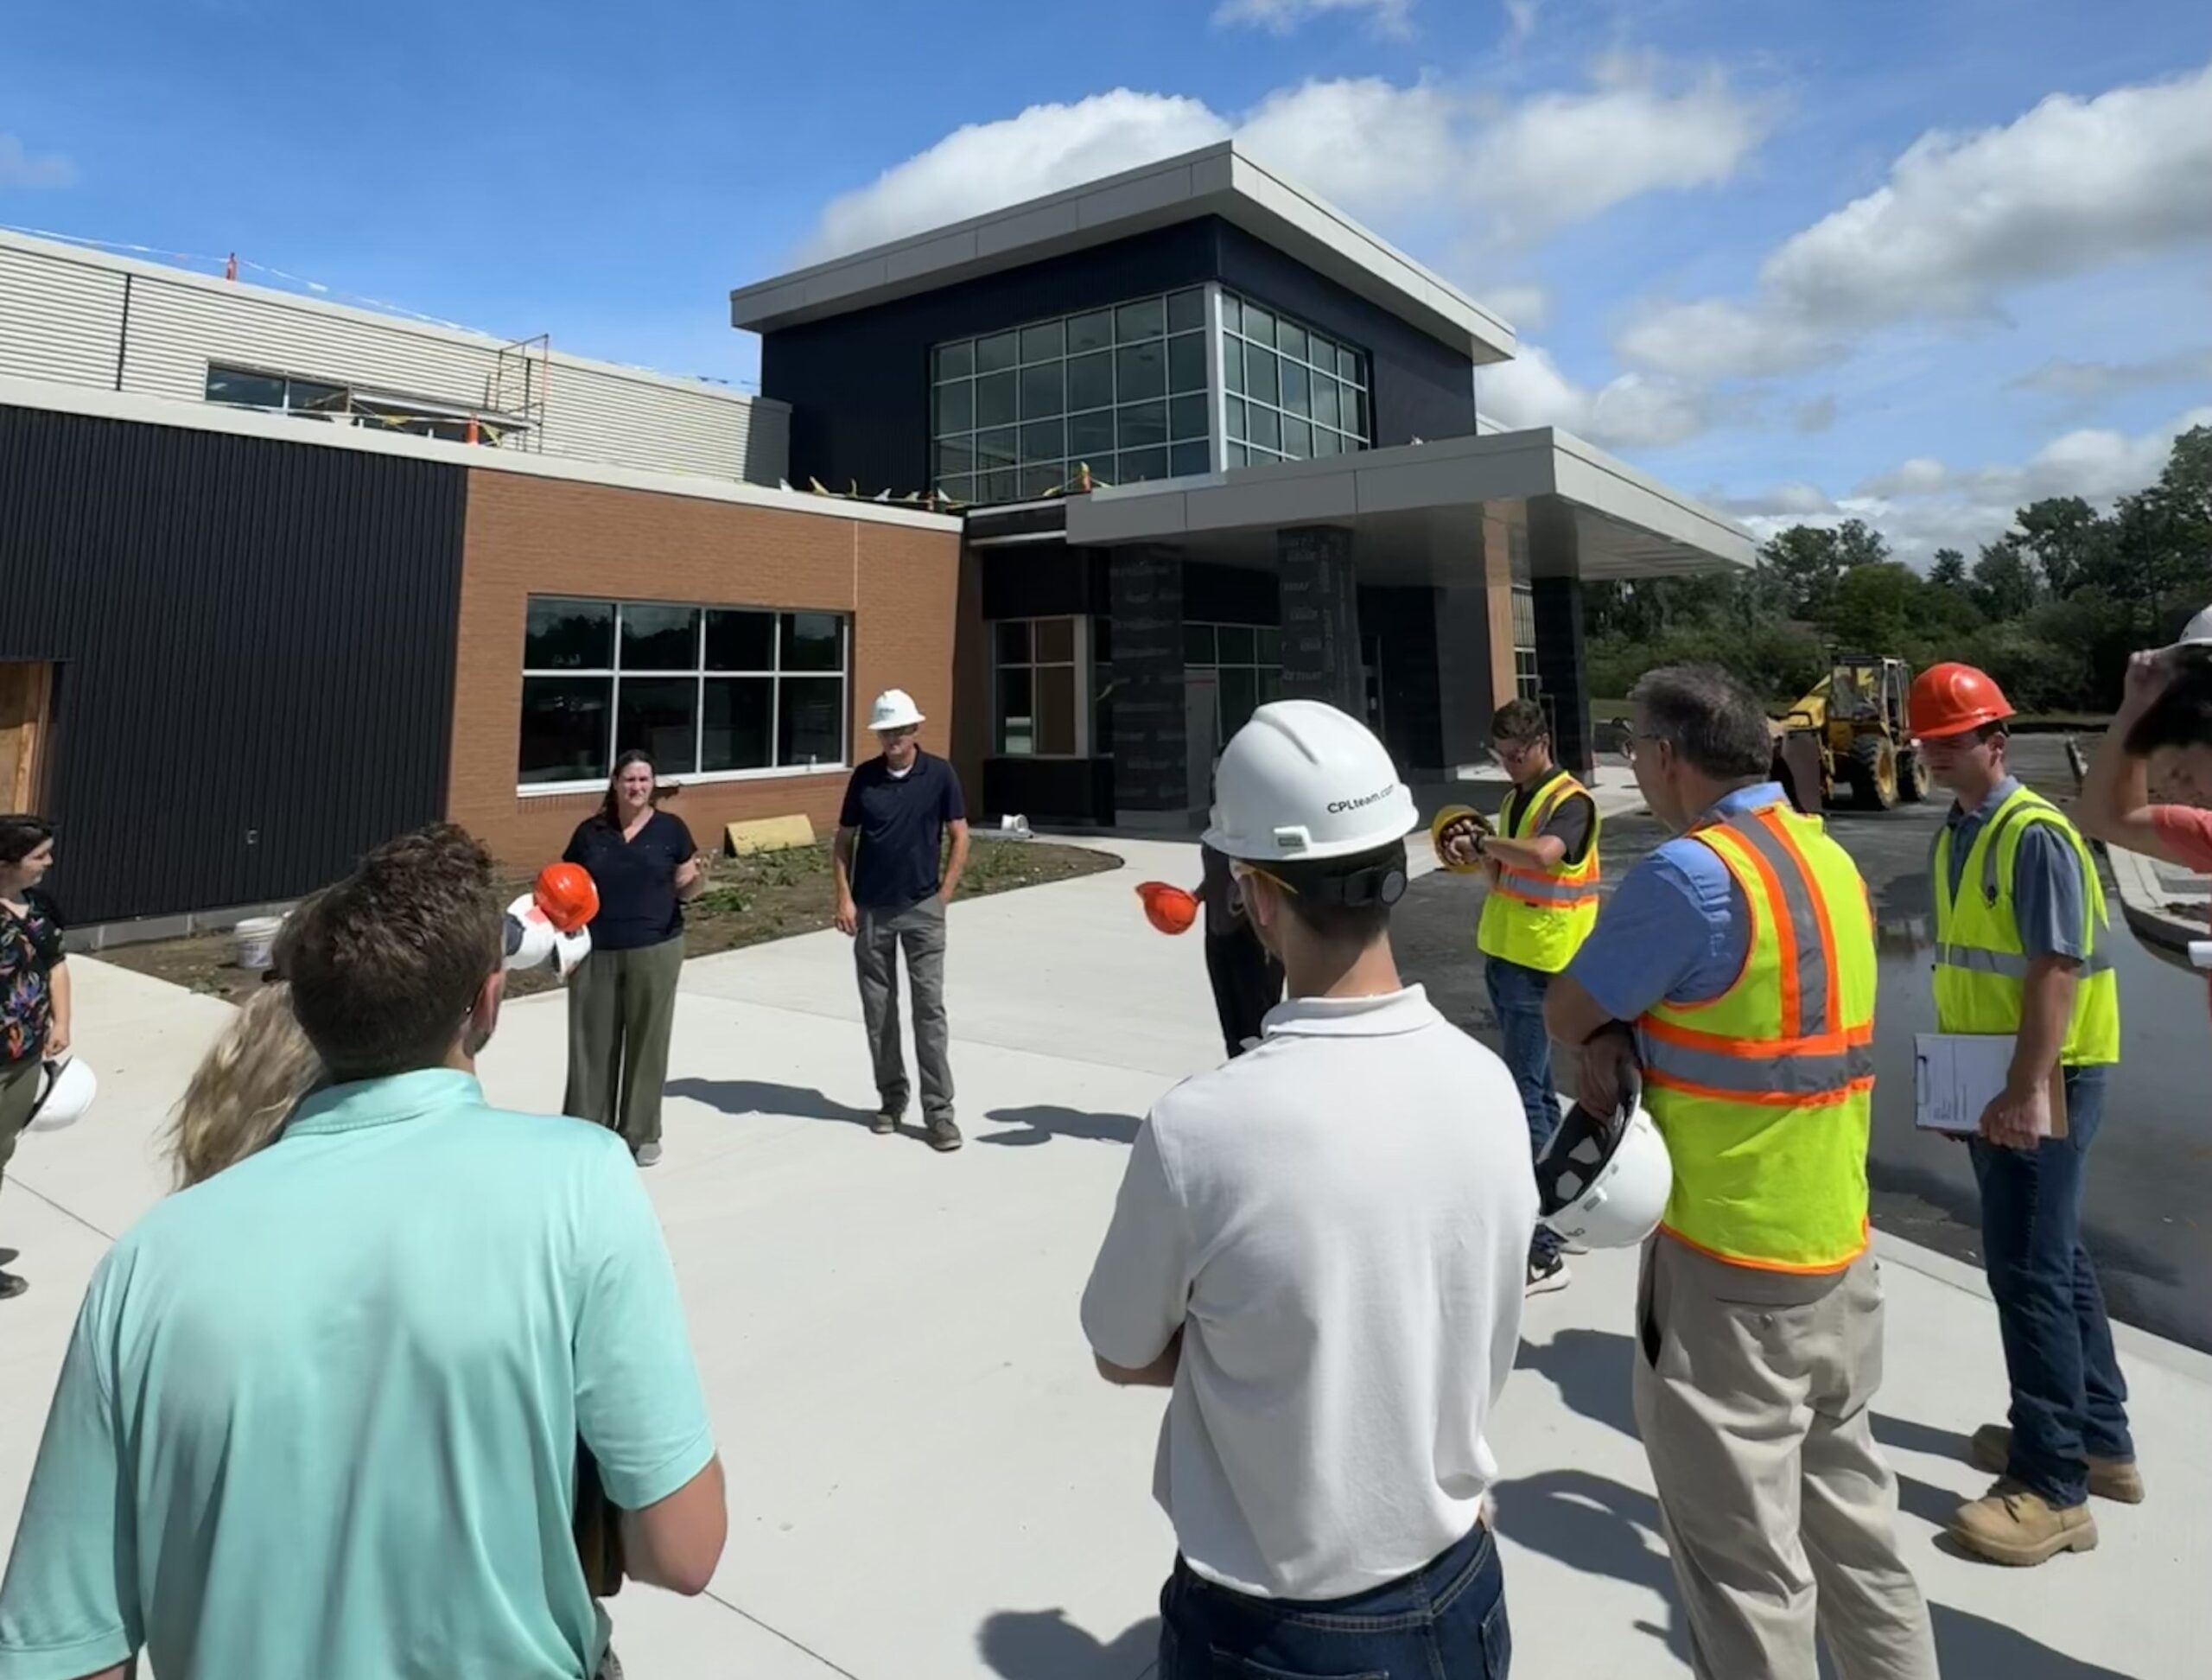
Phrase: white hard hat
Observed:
(530, 938)
(894, 710)
(2198, 631)
(569, 951)
(1304, 781)
(1605, 1182)
(66, 1088)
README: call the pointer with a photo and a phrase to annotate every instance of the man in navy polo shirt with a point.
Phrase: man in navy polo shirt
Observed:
(893, 883)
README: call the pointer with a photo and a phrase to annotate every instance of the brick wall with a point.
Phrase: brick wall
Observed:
(531, 536)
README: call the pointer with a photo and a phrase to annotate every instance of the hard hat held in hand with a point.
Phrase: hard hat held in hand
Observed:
(894, 708)
(568, 895)
(1452, 823)
(530, 935)
(1950, 699)
(1303, 782)
(66, 1088)
(1604, 1182)
(1168, 908)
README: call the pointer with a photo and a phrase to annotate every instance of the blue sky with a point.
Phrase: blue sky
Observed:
(1914, 261)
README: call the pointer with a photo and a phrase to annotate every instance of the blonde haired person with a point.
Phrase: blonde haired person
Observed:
(244, 1090)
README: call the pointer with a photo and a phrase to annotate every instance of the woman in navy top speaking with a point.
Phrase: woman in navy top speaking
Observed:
(622, 1001)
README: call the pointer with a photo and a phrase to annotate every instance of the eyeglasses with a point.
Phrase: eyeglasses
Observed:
(1630, 749)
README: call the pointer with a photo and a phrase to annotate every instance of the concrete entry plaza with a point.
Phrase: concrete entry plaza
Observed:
(926, 1477)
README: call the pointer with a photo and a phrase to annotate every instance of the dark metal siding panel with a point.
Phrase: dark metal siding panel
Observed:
(255, 643)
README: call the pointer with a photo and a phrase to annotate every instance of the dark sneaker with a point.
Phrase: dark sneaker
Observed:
(2117, 1480)
(648, 1154)
(885, 1123)
(1546, 1277)
(943, 1135)
(11, 1286)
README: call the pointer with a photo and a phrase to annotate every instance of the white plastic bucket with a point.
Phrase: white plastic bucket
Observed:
(256, 938)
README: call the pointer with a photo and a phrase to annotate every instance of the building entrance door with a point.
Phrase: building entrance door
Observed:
(1202, 732)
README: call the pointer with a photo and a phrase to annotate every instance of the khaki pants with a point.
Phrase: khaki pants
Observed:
(621, 1009)
(1752, 1392)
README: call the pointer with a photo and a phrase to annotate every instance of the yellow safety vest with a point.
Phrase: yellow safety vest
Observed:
(1539, 917)
(1981, 966)
(1765, 1094)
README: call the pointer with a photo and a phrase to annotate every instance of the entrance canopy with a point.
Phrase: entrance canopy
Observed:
(1418, 514)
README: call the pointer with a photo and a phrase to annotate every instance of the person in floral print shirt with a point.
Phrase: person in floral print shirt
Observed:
(33, 986)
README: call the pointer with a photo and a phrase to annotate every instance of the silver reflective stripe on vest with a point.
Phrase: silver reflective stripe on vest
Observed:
(1789, 1073)
(1804, 922)
(1974, 960)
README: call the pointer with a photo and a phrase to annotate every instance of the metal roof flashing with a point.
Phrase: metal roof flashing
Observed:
(1220, 180)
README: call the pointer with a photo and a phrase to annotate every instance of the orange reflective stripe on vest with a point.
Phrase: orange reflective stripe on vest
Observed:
(1538, 919)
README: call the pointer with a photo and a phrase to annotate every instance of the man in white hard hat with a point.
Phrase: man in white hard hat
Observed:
(1319, 1247)
(894, 880)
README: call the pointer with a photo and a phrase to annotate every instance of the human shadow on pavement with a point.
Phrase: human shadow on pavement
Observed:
(1902, 1435)
(758, 1097)
(1592, 1369)
(1044, 1645)
(1041, 1123)
(1594, 1524)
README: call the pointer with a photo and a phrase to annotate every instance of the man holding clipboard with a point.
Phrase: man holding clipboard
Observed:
(2019, 919)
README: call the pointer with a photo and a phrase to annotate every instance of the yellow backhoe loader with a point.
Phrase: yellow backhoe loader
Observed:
(1852, 729)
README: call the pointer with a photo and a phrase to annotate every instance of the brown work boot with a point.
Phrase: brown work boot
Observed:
(2117, 1480)
(2009, 1524)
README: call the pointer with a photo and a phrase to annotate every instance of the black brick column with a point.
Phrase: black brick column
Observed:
(1320, 618)
(1558, 601)
(1151, 747)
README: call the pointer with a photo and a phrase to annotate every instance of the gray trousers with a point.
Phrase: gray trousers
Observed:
(621, 1009)
(1753, 1393)
(920, 929)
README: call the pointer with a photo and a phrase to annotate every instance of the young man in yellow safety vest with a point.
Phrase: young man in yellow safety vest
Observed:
(1543, 864)
(1736, 964)
(2020, 925)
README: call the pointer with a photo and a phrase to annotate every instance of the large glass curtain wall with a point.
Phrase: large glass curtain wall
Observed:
(1122, 390)
(1292, 393)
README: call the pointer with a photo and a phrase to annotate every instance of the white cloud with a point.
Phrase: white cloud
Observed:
(1525, 308)
(1498, 175)
(988, 166)
(2088, 382)
(1923, 504)
(19, 168)
(2072, 185)
(1817, 415)
(1633, 411)
(1393, 17)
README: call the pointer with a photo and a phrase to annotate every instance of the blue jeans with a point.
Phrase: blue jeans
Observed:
(1445, 1621)
(2069, 1402)
(1517, 998)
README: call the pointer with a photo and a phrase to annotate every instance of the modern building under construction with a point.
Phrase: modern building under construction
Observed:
(283, 577)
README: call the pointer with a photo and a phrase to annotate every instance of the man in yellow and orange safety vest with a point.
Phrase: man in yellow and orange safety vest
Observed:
(1542, 865)
(1733, 969)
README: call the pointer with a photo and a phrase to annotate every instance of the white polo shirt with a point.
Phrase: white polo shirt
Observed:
(1339, 1223)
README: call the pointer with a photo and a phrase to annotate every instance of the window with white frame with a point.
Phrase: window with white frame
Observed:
(1040, 702)
(1526, 684)
(1247, 661)
(706, 692)
(1122, 390)
(1292, 393)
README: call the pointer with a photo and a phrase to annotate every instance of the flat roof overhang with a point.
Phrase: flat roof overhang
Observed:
(1416, 513)
(1217, 180)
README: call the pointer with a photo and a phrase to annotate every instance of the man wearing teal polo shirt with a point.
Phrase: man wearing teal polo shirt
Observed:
(322, 1413)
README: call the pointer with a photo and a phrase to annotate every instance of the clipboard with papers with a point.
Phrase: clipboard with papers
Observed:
(1955, 1076)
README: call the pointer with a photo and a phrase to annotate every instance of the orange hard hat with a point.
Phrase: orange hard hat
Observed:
(568, 895)
(1949, 699)
(1170, 909)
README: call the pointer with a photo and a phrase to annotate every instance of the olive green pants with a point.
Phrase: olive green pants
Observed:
(18, 1090)
(621, 1009)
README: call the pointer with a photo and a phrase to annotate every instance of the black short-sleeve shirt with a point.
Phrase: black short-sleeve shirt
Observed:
(638, 906)
(899, 858)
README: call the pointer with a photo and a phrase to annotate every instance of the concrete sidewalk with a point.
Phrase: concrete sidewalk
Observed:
(926, 1477)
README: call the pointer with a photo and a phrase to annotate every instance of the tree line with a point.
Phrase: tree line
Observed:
(2051, 609)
